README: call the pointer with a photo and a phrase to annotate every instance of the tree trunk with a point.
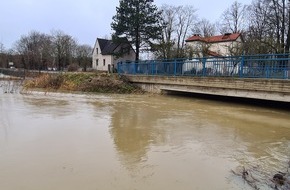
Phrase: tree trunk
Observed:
(137, 44)
(287, 46)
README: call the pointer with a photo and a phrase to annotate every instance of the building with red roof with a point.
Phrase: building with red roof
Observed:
(221, 45)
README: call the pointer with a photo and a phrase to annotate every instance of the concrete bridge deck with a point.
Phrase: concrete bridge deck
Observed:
(264, 89)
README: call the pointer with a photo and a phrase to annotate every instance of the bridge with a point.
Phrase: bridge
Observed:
(265, 77)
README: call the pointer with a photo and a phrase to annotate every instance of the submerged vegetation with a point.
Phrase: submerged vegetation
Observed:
(85, 82)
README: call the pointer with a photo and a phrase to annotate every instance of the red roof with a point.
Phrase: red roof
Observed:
(214, 39)
(194, 38)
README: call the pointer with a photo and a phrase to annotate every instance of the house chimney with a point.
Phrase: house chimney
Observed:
(226, 35)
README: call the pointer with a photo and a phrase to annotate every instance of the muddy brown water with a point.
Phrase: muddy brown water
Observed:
(126, 142)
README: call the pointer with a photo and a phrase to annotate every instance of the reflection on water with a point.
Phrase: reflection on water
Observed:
(70, 141)
(10, 86)
(133, 129)
(252, 136)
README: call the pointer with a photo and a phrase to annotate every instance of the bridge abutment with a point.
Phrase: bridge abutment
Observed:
(264, 89)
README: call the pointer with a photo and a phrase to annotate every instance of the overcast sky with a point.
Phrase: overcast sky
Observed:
(85, 20)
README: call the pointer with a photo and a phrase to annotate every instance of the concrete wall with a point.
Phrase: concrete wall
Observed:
(267, 89)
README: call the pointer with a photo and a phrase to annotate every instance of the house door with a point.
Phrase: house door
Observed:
(109, 68)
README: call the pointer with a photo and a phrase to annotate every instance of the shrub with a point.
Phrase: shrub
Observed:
(73, 67)
(45, 81)
(87, 82)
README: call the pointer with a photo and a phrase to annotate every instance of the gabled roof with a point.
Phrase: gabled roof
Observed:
(195, 37)
(108, 47)
(215, 39)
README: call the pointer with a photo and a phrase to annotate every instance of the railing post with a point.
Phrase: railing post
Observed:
(286, 72)
(203, 66)
(175, 67)
(134, 71)
(118, 67)
(241, 69)
(152, 69)
(267, 71)
(286, 68)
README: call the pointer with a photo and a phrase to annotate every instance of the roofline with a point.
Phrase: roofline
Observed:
(201, 39)
(131, 47)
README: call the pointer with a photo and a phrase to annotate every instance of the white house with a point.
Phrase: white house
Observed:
(221, 45)
(107, 54)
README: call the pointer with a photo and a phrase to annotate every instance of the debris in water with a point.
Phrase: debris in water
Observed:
(259, 179)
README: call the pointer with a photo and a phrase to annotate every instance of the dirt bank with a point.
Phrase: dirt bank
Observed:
(85, 82)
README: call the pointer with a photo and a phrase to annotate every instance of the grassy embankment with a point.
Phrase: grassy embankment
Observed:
(84, 82)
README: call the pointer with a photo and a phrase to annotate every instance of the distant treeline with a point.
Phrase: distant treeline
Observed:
(40, 51)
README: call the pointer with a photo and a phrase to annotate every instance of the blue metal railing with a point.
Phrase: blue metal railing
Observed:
(246, 66)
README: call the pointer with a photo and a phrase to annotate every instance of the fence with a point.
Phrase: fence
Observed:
(248, 66)
(22, 73)
(12, 72)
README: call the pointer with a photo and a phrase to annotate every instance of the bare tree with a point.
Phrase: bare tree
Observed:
(64, 49)
(2, 55)
(269, 27)
(34, 49)
(168, 23)
(2, 48)
(258, 39)
(202, 50)
(234, 19)
(84, 55)
(204, 28)
(185, 19)
(276, 23)
(177, 22)
(23, 49)
(287, 45)
(40, 51)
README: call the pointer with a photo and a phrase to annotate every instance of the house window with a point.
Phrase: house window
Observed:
(97, 50)
(104, 62)
(97, 62)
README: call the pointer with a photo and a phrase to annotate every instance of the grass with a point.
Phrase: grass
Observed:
(86, 82)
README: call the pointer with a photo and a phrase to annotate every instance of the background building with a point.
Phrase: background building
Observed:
(107, 54)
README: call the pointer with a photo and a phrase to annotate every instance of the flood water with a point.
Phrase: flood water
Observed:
(57, 141)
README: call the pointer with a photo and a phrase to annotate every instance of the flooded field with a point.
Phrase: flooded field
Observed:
(55, 141)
